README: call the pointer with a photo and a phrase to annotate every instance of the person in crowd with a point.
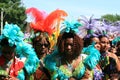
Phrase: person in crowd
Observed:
(92, 40)
(17, 58)
(44, 27)
(115, 48)
(66, 61)
(95, 42)
(116, 43)
(110, 63)
(118, 49)
(28, 34)
(41, 45)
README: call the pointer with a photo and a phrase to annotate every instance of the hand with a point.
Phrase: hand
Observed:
(38, 74)
(87, 75)
(114, 76)
(112, 55)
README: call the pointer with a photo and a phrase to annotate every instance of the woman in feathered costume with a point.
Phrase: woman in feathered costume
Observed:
(108, 61)
(65, 62)
(17, 58)
(88, 31)
(46, 29)
(101, 31)
(91, 42)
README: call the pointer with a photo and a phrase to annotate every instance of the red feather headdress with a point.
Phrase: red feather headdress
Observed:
(46, 22)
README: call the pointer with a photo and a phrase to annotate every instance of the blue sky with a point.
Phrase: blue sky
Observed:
(75, 8)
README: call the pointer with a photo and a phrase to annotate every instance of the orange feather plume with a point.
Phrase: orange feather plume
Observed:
(44, 22)
(52, 19)
(49, 23)
(38, 17)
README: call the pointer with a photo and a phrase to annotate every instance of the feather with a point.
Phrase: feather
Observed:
(45, 22)
(53, 19)
(86, 29)
(38, 18)
(49, 23)
(52, 25)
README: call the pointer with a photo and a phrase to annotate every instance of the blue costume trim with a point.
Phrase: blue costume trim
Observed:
(15, 37)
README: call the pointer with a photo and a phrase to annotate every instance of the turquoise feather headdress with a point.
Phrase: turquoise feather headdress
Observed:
(71, 26)
(115, 40)
(15, 37)
(12, 33)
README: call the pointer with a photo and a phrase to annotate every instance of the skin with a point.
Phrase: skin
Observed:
(69, 46)
(97, 42)
(41, 48)
(68, 51)
(8, 52)
(118, 49)
(11, 78)
(105, 45)
(75, 63)
(95, 39)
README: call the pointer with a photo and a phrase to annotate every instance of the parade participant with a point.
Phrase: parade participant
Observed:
(44, 26)
(66, 61)
(17, 58)
(109, 60)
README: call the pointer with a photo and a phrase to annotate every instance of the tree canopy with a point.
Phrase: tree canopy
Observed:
(13, 12)
(111, 17)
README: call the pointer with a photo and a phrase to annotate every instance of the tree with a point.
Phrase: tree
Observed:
(111, 18)
(13, 12)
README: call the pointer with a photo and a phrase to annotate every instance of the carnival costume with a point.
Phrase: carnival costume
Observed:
(97, 28)
(25, 60)
(53, 61)
(46, 25)
(106, 65)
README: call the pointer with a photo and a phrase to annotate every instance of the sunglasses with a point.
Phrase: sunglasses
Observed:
(41, 45)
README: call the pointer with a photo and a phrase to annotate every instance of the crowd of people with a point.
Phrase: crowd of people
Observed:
(55, 48)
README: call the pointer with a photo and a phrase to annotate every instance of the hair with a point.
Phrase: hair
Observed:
(118, 50)
(118, 43)
(101, 36)
(88, 40)
(4, 42)
(40, 37)
(78, 43)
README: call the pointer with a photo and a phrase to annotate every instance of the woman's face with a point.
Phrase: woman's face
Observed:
(105, 44)
(8, 52)
(97, 42)
(41, 47)
(69, 46)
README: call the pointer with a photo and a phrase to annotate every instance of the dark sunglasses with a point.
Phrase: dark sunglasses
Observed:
(45, 45)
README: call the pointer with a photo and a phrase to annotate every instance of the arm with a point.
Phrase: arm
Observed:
(114, 56)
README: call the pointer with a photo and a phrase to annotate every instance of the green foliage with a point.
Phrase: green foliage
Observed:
(111, 18)
(13, 12)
